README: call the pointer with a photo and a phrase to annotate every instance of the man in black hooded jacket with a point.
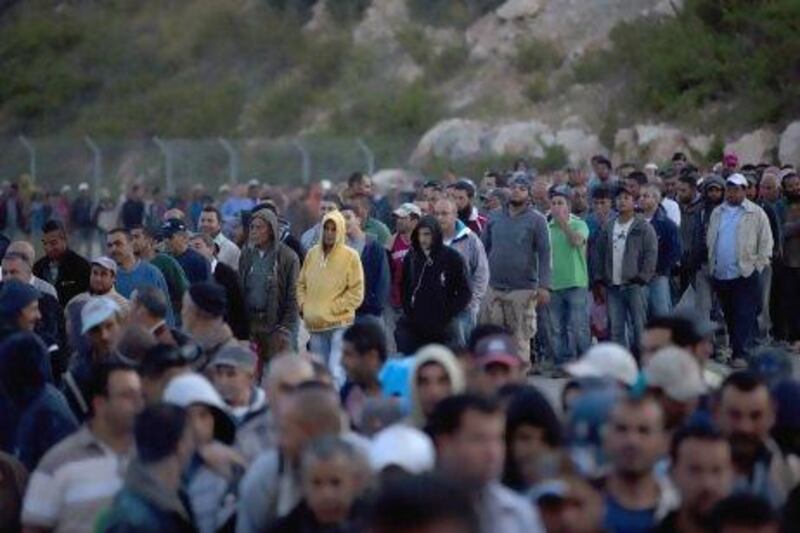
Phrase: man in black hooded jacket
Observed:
(435, 289)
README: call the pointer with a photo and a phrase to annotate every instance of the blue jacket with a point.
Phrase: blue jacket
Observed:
(195, 266)
(145, 504)
(33, 414)
(669, 242)
(376, 278)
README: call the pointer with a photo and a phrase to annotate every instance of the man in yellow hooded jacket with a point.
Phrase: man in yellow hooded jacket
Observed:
(330, 288)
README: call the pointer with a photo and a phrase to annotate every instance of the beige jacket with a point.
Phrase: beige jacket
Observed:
(754, 239)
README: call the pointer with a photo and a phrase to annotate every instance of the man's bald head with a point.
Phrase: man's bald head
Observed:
(22, 248)
(311, 411)
(285, 373)
(446, 213)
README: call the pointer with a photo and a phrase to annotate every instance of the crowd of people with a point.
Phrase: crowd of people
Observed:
(329, 358)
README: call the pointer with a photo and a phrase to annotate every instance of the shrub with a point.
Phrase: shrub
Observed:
(458, 13)
(347, 11)
(537, 88)
(593, 66)
(744, 53)
(555, 157)
(402, 111)
(537, 55)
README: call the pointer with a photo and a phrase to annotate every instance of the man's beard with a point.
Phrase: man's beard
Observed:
(516, 203)
(464, 214)
(745, 450)
(792, 197)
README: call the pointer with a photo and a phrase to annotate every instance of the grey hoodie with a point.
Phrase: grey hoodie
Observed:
(469, 245)
(518, 248)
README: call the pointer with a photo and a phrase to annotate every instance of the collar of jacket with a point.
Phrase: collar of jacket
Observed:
(462, 231)
(146, 485)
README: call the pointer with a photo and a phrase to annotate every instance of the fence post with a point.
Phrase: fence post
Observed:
(368, 155)
(31, 156)
(165, 151)
(97, 167)
(233, 160)
(306, 159)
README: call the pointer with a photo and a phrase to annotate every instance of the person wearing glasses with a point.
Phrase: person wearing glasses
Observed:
(626, 262)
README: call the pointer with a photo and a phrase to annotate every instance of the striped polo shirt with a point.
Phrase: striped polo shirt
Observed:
(74, 482)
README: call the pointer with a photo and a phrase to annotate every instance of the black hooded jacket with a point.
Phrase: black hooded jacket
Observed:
(435, 286)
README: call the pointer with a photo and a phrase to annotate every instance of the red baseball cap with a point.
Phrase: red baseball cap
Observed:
(497, 349)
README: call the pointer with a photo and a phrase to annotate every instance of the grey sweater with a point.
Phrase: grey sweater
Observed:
(518, 248)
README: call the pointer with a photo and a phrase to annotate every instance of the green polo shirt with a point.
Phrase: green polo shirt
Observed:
(569, 262)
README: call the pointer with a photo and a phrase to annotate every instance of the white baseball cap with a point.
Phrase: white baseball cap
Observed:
(736, 179)
(606, 360)
(105, 262)
(96, 311)
(676, 372)
(403, 446)
(408, 209)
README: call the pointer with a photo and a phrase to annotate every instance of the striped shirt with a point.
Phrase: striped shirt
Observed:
(74, 482)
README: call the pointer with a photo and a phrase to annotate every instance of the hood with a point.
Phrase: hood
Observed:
(338, 220)
(189, 389)
(270, 218)
(436, 230)
(434, 353)
(24, 366)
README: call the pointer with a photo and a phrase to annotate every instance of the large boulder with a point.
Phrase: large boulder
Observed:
(515, 9)
(755, 147)
(789, 147)
(499, 32)
(520, 138)
(660, 141)
(458, 139)
(453, 139)
(579, 145)
(394, 179)
(648, 142)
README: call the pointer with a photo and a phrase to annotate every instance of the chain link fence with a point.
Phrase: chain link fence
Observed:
(177, 164)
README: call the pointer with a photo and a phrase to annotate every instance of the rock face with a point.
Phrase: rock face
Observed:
(755, 147)
(450, 139)
(469, 139)
(573, 25)
(789, 148)
(649, 142)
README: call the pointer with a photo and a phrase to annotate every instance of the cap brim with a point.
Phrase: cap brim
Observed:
(85, 328)
(686, 393)
(582, 369)
(500, 358)
(228, 362)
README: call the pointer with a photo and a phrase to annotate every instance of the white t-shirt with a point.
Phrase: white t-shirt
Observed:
(673, 210)
(619, 237)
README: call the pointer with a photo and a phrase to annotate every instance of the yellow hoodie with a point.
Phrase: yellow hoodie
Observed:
(330, 288)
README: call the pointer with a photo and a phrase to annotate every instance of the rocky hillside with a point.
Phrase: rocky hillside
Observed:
(475, 80)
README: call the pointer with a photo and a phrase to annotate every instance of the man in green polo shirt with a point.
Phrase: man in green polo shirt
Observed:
(569, 304)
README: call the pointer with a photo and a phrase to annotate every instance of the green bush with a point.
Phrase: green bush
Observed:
(593, 66)
(278, 110)
(41, 79)
(537, 55)
(448, 62)
(458, 13)
(347, 11)
(537, 88)
(555, 158)
(403, 111)
(739, 52)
